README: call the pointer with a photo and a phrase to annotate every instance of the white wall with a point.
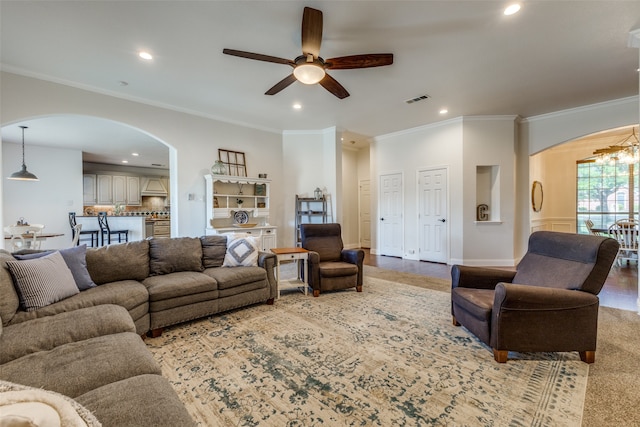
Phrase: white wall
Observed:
(314, 160)
(49, 200)
(350, 187)
(194, 139)
(407, 152)
(489, 141)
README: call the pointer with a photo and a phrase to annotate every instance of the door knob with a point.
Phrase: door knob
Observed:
(442, 220)
(381, 219)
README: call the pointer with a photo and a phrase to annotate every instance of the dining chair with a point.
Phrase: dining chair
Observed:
(589, 224)
(105, 230)
(626, 233)
(84, 235)
(76, 235)
(24, 236)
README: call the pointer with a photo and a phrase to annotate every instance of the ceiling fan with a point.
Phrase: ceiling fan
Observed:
(309, 68)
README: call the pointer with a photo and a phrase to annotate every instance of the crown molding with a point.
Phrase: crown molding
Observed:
(582, 109)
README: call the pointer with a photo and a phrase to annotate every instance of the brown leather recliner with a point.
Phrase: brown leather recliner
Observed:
(549, 303)
(331, 267)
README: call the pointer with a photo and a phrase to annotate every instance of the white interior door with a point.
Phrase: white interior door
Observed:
(433, 227)
(365, 213)
(391, 207)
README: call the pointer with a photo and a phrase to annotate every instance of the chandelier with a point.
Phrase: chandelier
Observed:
(626, 151)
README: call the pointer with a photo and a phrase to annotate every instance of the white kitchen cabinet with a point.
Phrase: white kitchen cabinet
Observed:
(105, 190)
(269, 239)
(133, 191)
(89, 196)
(119, 189)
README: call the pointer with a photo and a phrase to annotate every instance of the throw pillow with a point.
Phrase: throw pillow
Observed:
(76, 259)
(213, 250)
(42, 281)
(242, 250)
(176, 254)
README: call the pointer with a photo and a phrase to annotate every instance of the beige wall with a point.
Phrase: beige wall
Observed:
(193, 141)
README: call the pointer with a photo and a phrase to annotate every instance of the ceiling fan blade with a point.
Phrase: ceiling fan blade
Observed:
(332, 85)
(281, 85)
(311, 32)
(258, 56)
(359, 61)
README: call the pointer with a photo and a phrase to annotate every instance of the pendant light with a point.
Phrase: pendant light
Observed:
(23, 174)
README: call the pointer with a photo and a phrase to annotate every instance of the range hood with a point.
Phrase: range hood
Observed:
(153, 187)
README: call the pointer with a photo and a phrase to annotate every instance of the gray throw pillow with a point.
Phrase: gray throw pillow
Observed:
(213, 250)
(42, 281)
(174, 254)
(76, 259)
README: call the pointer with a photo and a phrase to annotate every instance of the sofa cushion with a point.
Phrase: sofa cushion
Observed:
(9, 302)
(76, 368)
(76, 260)
(124, 261)
(143, 400)
(213, 250)
(53, 331)
(337, 269)
(478, 302)
(178, 284)
(42, 281)
(242, 250)
(236, 276)
(26, 406)
(173, 255)
(129, 294)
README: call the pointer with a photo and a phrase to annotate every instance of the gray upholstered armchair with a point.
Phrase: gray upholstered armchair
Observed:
(331, 267)
(549, 303)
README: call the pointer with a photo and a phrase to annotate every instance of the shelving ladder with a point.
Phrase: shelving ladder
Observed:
(309, 210)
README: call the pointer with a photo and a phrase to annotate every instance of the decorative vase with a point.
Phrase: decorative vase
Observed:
(219, 168)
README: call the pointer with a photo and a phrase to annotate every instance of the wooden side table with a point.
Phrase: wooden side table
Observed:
(292, 254)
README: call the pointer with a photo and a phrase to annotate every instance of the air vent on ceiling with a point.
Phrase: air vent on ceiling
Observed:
(416, 99)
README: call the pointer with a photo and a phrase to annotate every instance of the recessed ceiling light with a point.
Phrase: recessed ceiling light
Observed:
(297, 106)
(135, 154)
(444, 111)
(512, 9)
(145, 55)
(125, 161)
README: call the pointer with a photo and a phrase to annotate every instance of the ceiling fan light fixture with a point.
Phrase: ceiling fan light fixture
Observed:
(23, 174)
(512, 9)
(309, 73)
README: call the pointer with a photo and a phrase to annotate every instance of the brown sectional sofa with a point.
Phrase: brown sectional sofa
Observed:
(88, 347)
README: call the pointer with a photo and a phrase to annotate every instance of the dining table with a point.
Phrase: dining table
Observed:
(40, 237)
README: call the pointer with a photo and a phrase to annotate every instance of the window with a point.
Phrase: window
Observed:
(604, 191)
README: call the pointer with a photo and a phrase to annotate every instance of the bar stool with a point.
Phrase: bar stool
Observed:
(105, 230)
(89, 234)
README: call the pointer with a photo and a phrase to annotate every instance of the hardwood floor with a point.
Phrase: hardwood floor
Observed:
(619, 291)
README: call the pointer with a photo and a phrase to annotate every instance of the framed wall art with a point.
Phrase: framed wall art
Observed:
(234, 161)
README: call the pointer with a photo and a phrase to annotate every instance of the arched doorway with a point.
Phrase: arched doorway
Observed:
(56, 148)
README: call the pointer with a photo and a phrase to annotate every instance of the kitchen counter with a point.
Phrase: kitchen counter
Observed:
(135, 225)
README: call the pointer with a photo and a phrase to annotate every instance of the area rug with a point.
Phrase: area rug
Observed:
(386, 356)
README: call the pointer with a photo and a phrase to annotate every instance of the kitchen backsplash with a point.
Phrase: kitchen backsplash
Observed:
(151, 206)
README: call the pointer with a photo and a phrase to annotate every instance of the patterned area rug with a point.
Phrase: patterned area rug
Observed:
(386, 356)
